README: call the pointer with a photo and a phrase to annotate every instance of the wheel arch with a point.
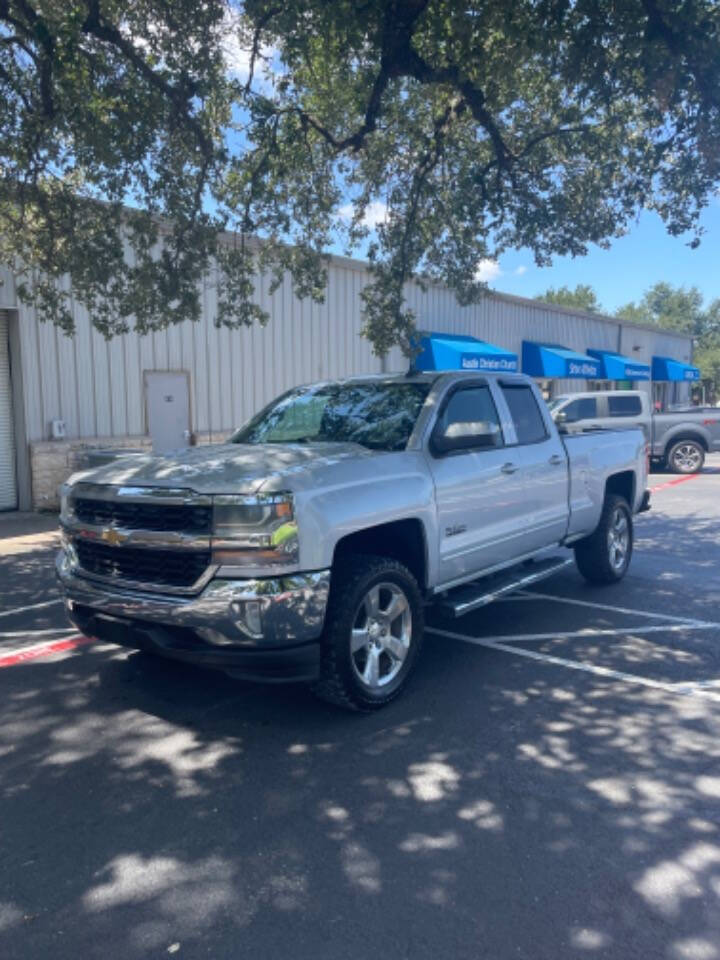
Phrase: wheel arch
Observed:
(623, 484)
(687, 435)
(402, 540)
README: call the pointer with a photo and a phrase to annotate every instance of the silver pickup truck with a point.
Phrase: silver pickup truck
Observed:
(679, 439)
(309, 546)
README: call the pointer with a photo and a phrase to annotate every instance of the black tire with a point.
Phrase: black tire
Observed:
(597, 555)
(353, 580)
(686, 456)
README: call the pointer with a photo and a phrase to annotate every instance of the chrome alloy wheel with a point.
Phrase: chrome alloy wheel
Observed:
(687, 457)
(380, 637)
(618, 539)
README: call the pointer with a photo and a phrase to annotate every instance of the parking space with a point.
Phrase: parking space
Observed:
(547, 788)
(659, 627)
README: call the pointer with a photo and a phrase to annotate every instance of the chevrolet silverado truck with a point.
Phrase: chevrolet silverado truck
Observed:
(309, 546)
(679, 439)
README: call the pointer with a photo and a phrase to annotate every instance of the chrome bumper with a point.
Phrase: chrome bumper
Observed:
(240, 615)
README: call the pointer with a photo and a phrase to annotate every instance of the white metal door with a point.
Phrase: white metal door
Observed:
(8, 486)
(168, 409)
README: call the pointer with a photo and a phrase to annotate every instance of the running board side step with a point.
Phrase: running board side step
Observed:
(471, 596)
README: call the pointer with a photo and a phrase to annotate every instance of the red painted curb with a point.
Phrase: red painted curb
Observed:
(675, 482)
(43, 650)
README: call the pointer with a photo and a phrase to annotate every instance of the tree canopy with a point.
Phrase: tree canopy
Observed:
(146, 146)
(583, 297)
(675, 308)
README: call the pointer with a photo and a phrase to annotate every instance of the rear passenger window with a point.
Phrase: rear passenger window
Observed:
(583, 409)
(624, 406)
(472, 405)
(529, 424)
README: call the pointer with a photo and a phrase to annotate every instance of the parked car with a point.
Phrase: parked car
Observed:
(309, 545)
(679, 439)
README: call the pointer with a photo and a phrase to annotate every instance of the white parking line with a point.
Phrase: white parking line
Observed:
(14, 634)
(587, 634)
(32, 606)
(606, 606)
(678, 690)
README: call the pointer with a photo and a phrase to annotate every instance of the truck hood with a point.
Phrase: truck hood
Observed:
(228, 467)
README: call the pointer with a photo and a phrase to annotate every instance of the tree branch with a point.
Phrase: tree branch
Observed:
(255, 50)
(37, 33)
(179, 96)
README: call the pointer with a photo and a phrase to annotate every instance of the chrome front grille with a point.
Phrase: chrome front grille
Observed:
(170, 517)
(168, 568)
(148, 538)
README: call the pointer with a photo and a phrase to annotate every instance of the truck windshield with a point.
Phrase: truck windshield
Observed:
(379, 415)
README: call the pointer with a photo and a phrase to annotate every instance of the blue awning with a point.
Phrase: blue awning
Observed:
(614, 366)
(445, 351)
(665, 368)
(552, 361)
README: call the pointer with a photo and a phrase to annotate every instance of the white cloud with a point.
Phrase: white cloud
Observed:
(375, 213)
(487, 270)
(519, 271)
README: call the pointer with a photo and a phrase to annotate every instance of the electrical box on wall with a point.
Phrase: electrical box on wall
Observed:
(57, 429)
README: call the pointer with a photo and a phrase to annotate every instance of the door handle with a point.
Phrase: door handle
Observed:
(556, 460)
(508, 468)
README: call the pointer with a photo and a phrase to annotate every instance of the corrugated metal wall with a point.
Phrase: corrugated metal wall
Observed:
(96, 387)
(7, 288)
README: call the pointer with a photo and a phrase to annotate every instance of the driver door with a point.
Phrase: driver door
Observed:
(479, 492)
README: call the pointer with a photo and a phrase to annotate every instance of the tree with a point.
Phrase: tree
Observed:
(130, 140)
(674, 308)
(683, 309)
(583, 297)
(707, 357)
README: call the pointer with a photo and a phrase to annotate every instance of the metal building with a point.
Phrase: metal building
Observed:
(60, 396)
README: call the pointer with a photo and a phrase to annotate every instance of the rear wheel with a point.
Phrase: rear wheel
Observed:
(604, 556)
(686, 456)
(373, 632)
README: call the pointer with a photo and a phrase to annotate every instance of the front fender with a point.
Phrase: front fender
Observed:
(362, 495)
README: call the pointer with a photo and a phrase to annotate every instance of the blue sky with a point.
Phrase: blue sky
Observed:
(646, 255)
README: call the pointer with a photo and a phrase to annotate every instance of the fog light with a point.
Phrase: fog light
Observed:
(250, 617)
(253, 617)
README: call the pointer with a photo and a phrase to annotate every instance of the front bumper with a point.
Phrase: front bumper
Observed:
(266, 629)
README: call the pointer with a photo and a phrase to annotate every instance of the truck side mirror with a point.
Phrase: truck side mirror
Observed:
(466, 435)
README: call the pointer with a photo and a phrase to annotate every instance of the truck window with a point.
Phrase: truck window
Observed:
(471, 405)
(529, 424)
(624, 406)
(584, 408)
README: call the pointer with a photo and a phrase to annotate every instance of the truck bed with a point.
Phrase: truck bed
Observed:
(592, 457)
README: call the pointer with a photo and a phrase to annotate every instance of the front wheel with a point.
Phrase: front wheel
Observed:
(373, 632)
(604, 556)
(687, 456)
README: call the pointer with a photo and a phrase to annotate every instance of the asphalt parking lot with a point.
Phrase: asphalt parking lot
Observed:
(548, 787)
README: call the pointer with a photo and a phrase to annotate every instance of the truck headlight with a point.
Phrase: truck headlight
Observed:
(66, 505)
(256, 530)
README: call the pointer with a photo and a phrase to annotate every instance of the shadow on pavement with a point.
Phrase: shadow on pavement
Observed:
(145, 804)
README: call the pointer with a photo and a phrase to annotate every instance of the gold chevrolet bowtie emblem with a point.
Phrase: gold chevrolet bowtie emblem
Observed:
(112, 536)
